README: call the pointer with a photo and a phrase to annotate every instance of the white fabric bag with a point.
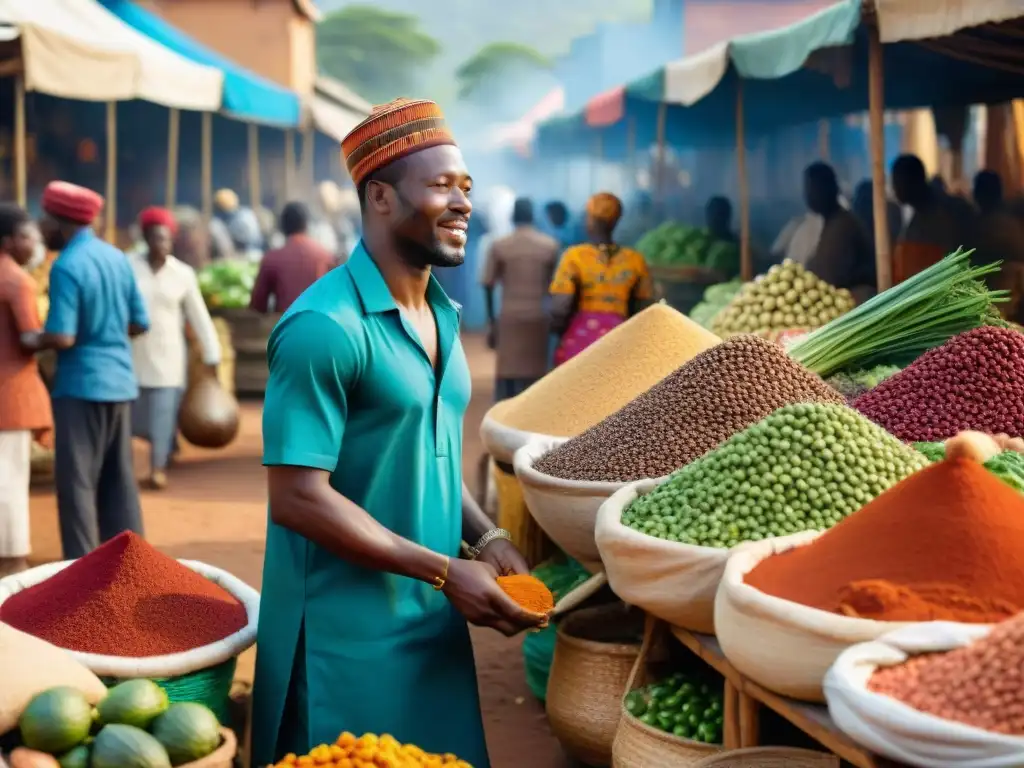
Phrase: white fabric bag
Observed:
(898, 731)
(672, 581)
(565, 509)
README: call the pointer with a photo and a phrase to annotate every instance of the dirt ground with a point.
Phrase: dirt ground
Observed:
(215, 511)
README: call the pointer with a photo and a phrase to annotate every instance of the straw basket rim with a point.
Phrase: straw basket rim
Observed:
(811, 756)
(169, 665)
(616, 648)
(221, 757)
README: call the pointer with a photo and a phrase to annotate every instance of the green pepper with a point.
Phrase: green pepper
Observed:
(649, 718)
(681, 731)
(636, 705)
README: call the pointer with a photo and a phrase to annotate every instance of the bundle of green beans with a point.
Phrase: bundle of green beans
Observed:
(900, 324)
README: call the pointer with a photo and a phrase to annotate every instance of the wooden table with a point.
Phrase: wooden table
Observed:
(744, 698)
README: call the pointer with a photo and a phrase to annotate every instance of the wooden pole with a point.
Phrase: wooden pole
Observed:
(289, 164)
(255, 193)
(173, 143)
(308, 165)
(20, 142)
(746, 257)
(111, 202)
(659, 157)
(631, 150)
(876, 117)
(824, 140)
(206, 165)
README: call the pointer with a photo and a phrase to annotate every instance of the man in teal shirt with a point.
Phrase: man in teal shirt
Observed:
(363, 622)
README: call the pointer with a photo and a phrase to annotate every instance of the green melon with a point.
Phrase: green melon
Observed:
(76, 758)
(188, 732)
(125, 746)
(55, 720)
(134, 702)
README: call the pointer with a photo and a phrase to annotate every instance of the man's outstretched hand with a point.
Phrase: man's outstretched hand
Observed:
(472, 587)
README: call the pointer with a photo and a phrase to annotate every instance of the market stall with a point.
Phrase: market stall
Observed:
(775, 536)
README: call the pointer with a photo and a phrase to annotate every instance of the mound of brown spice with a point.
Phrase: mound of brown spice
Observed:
(978, 685)
(126, 599)
(693, 410)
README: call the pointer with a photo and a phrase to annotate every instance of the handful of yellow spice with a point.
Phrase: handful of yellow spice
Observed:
(370, 751)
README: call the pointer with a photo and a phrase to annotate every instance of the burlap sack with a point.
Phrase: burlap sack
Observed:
(29, 666)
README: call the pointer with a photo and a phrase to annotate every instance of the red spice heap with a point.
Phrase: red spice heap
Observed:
(973, 381)
(126, 599)
(978, 684)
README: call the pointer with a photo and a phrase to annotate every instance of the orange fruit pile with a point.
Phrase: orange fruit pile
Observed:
(370, 751)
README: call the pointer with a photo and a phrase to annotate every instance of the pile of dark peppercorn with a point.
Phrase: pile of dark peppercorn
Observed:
(720, 392)
(973, 381)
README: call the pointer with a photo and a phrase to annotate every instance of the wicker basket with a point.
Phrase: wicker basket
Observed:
(222, 757)
(592, 663)
(770, 757)
(638, 745)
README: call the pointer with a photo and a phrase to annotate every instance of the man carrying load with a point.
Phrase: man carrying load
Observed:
(365, 599)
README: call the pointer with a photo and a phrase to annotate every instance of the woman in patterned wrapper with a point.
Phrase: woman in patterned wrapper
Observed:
(598, 284)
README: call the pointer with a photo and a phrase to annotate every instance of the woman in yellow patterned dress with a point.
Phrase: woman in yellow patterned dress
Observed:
(599, 284)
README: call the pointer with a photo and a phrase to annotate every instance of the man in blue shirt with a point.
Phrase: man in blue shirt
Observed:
(95, 306)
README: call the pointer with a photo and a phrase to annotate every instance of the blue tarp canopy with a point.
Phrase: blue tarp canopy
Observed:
(818, 68)
(247, 96)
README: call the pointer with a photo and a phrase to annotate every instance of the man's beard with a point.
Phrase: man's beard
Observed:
(422, 255)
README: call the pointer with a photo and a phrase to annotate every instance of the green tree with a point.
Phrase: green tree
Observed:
(495, 65)
(376, 52)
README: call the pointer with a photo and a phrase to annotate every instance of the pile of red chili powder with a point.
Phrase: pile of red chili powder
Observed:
(979, 684)
(126, 599)
(946, 543)
(973, 381)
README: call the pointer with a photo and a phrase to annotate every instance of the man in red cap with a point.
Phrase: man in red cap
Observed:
(94, 306)
(171, 294)
(365, 596)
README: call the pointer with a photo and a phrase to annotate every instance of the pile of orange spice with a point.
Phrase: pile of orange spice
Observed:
(370, 751)
(528, 591)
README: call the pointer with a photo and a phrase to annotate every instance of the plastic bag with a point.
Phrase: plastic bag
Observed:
(209, 415)
(898, 731)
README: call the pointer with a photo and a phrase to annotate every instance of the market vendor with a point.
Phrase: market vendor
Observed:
(718, 219)
(171, 294)
(599, 284)
(365, 599)
(935, 229)
(95, 306)
(25, 404)
(843, 256)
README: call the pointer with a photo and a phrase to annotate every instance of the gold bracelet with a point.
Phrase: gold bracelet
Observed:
(441, 580)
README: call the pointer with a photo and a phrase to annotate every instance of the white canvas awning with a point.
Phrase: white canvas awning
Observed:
(336, 109)
(76, 49)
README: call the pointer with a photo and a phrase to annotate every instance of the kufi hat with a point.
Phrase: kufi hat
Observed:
(393, 131)
(72, 202)
(154, 216)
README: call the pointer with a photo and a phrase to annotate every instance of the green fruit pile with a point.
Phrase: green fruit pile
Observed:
(787, 296)
(805, 467)
(228, 284)
(678, 245)
(716, 298)
(682, 705)
(853, 384)
(135, 727)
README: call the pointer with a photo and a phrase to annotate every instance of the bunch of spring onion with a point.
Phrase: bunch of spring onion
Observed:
(900, 324)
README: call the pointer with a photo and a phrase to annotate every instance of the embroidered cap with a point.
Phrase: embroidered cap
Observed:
(72, 202)
(393, 131)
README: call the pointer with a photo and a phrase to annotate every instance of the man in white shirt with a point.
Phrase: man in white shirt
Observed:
(171, 294)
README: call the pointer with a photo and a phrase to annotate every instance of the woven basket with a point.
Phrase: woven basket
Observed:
(638, 745)
(770, 757)
(222, 757)
(588, 677)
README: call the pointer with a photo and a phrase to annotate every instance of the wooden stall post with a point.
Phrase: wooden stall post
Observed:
(308, 178)
(289, 164)
(111, 202)
(876, 117)
(746, 256)
(825, 140)
(659, 158)
(173, 142)
(255, 192)
(20, 143)
(206, 169)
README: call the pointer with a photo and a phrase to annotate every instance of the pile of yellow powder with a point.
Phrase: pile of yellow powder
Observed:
(608, 374)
